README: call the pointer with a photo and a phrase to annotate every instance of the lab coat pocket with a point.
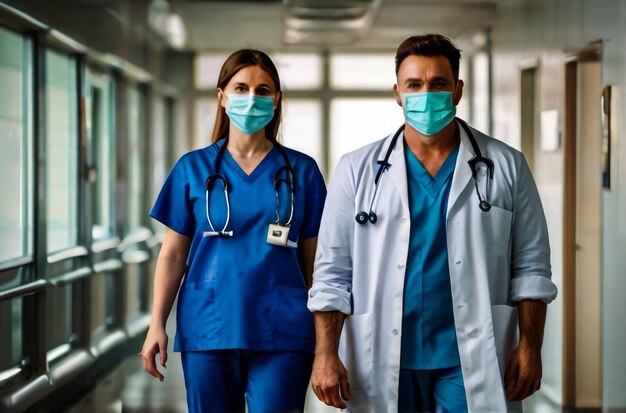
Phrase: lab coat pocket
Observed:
(504, 318)
(293, 317)
(355, 351)
(497, 229)
(195, 316)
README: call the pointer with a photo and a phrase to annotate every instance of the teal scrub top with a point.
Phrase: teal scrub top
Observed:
(428, 334)
(240, 292)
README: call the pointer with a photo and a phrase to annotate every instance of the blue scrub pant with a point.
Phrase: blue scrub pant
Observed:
(430, 391)
(220, 381)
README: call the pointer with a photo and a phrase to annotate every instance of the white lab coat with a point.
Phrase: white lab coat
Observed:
(495, 259)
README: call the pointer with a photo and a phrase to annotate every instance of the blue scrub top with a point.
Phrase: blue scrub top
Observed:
(428, 334)
(240, 292)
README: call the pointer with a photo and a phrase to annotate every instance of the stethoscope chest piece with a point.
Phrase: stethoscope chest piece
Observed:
(363, 217)
(484, 206)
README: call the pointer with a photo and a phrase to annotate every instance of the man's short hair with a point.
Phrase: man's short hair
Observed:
(430, 45)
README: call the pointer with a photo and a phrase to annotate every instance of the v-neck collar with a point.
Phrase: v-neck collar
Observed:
(233, 166)
(432, 185)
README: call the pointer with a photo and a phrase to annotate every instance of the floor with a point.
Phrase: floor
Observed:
(129, 389)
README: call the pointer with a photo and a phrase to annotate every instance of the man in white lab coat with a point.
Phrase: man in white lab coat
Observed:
(433, 250)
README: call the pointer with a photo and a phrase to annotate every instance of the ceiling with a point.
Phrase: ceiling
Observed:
(292, 25)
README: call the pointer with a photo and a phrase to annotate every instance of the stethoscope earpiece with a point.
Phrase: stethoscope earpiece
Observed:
(484, 205)
(373, 217)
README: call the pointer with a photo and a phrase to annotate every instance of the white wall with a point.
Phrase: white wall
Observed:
(543, 32)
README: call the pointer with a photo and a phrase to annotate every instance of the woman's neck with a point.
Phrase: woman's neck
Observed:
(247, 146)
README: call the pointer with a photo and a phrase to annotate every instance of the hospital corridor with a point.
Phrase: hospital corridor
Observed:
(109, 110)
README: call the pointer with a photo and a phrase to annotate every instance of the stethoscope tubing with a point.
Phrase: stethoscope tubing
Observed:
(363, 217)
(210, 182)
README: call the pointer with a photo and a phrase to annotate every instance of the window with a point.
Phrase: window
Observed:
(207, 70)
(10, 333)
(357, 122)
(100, 130)
(16, 223)
(347, 72)
(136, 165)
(205, 111)
(299, 71)
(480, 89)
(301, 127)
(61, 151)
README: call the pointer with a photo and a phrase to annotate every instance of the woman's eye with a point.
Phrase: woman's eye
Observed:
(240, 89)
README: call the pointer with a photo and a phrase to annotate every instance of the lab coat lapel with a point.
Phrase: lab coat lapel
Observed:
(462, 172)
(397, 171)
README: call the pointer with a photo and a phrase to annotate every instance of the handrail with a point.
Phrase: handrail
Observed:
(78, 251)
(71, 277)
(105, 244)
(109, 265)
(11, 374)
(23, 290)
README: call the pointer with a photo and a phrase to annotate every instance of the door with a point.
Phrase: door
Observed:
(583, 232)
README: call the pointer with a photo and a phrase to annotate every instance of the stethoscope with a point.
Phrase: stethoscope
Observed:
(285, 170)
(363, 217)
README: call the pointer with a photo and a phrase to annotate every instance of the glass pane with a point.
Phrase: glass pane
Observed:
(59, 315)
(480, 92)
(98, 303)
(205, 111)
(157, 144)
(16, 137)
(462, 110)
(347, 71)
(299, 71)
(62, 150)
(299, 112)
(357, 122)
(10, 333)
(136, 168)
(207, 70)
(100, 127)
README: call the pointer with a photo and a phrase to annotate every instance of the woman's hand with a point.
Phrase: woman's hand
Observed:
(156, 342)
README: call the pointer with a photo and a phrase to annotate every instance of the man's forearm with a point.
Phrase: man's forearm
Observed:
(328, 325)
(532, 318)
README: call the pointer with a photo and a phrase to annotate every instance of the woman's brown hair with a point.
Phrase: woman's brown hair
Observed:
(233, 64)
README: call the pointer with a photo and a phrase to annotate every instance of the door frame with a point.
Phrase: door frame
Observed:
(572, 62)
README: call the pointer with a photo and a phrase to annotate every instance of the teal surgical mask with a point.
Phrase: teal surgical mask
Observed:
(250, 113)
(428, 112)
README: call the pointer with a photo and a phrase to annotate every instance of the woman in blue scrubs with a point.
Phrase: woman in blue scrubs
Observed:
(242, 217)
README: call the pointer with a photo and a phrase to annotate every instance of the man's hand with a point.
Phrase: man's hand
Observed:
(330, 380)
(523, 373)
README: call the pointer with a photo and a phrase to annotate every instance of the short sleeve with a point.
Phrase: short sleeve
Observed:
(314, 203)
(173, 206)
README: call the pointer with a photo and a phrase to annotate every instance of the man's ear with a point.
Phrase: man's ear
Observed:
(396, 93)
(458, 92)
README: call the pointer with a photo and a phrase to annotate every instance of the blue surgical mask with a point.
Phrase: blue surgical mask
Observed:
(250, 113)
(428, 112)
